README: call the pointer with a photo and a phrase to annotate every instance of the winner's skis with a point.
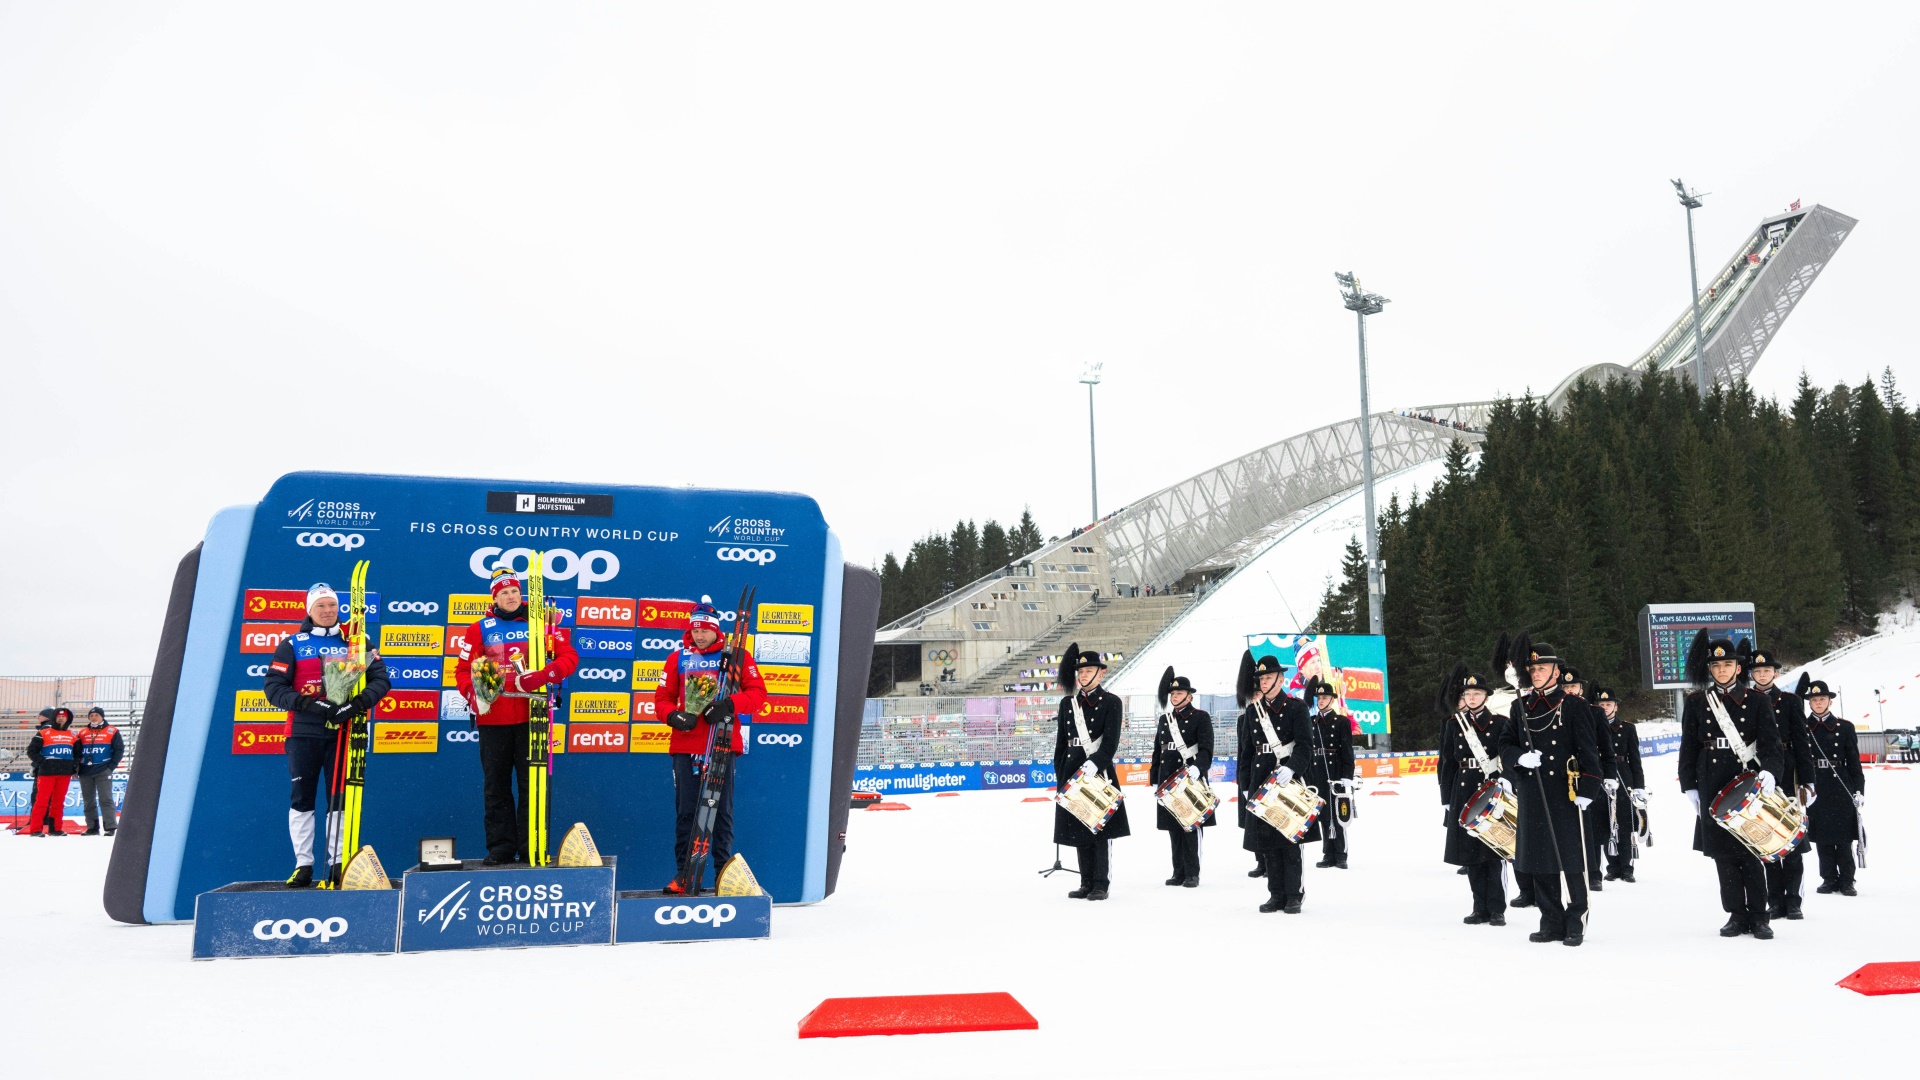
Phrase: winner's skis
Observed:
(539, 716)
(719, 759)
(349, 780)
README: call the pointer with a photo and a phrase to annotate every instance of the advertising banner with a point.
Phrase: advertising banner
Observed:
(507, 909)
(1355, 664)
(624, 565)
(16, 795)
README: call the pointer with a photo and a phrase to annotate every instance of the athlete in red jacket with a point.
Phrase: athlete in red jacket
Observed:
(687, 686)
(501, 636)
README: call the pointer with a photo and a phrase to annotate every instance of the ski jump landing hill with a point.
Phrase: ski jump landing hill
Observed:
(1255, 525)
(206, 801)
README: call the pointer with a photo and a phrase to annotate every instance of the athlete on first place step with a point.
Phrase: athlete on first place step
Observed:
(1091, 724)
(296, 682)
(685, 699)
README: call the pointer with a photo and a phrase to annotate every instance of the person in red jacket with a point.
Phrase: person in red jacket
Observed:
(501, 636)
(56, 758)
(685, 697)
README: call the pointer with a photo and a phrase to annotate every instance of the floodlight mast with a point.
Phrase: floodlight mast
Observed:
(1091, 377)
(1363, 304)
(1691, 200)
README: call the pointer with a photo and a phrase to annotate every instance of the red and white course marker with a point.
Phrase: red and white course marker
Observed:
(1874, 980)
(916, 1014)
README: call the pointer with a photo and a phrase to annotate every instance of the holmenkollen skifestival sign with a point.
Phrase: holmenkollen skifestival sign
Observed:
(623, 564)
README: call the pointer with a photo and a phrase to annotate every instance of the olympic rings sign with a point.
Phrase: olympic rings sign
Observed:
(941, 656)
(716, 915)
(763, 556)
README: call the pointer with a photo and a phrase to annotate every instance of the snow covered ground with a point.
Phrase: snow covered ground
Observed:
(1377, 978)
(1277, 592)
(1876, 679)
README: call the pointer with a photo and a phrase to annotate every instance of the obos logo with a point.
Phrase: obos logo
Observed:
(560, 564)
(761, 556)
(602, 674)
(287, 929)
(768, 738)
(413, 607)
(715, 915)
(349, 541)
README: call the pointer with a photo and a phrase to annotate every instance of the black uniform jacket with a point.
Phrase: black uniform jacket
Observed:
(1624, 739)
(1557, 725)
(1196, 727)
(1836, 766)
(1259, 760)
(1708, 763)
(1461, 778)
(1106, 725)
(1326, 756)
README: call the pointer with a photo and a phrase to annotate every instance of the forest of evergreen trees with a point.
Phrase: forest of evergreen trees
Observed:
(940, 563)
(1641, 493)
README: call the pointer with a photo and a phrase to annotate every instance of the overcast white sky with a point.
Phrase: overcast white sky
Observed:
(890, 235)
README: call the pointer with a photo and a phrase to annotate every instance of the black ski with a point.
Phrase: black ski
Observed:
(719, 760)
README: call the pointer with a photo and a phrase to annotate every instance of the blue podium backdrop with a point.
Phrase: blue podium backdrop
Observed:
(625, 564)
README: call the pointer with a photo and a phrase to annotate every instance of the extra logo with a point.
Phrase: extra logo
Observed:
(408, 705)
(761, 556)
(347, 541)
(715, 915)
(287, 929)
(783, 709)
(260, 738)
(769, 738)
(273, 604)
(559, 564)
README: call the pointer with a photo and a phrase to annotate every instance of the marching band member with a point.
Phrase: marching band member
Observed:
(1326, 763)
(1834, 818)
(1727, 729)
(1594, 825)
(1623, 740)
(1272, 730)
(1183, 742)
(1786, 876)
(1547, 731)
(1467, 762)
(1091, 724)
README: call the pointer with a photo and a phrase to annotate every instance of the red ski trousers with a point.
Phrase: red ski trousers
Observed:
(49, 803)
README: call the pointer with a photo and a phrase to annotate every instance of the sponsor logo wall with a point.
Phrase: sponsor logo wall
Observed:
(16, 794)
(624, 565)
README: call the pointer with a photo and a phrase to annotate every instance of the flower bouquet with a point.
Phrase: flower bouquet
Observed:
(700, 691)
(488, 682)
(342, 677)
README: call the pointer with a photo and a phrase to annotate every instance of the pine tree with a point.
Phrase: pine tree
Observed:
(994, 552)
(1026, 538)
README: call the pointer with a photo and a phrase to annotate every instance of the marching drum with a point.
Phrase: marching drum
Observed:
(1091, 799)
(1492, 817)
(1189, 801)
(1769, 825)
(1290, 807)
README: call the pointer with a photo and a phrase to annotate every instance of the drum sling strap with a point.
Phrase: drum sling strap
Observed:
(1280, 749)
(1080, 729)
(1475, 747)
(1179, 743)
(1730, 732)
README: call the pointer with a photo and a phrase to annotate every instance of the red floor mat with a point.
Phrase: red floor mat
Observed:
(919, 1014)
(1874, 980)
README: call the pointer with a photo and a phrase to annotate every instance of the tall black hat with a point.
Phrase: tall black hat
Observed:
(1502, 668)
(1604, 694)
(1318, 686)
(1706, 650)
(1449, 699)
(1800, 688)
(1166, 686)
(1073, 660)
(1569, 676)
(1246, 686)
(1762, 658)
(1818, 688)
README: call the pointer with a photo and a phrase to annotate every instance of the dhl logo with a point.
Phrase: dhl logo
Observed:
(786, 680)
(411, 640)
(604, 706)
(648, 673)
(603, 611)
(664, 614)
(784, 618)
(274, 604)
(783, 709)
(597, 738)
(649, 738)
(266, 637)
(408, 705)
(252, 705)
(467, 607)
(259, 738)
(406, 738)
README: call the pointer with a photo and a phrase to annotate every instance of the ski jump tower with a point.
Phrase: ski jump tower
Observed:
(1220, 518)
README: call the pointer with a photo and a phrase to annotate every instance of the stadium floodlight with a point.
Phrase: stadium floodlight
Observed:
(1091, 376)
(1363, 304)
(1691, 200)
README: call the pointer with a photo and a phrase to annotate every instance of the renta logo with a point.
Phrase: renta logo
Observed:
(266, 637)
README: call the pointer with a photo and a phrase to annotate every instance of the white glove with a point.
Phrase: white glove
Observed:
(1807, 794)
(1285, 775)
(1767, 782)
(1504, 786)
(1694, 798)
(1193, 771)
(1530, 759)
(1612, 786)
(1859, 802)
(1640, 797)
(1088, 768)
(1582, 802)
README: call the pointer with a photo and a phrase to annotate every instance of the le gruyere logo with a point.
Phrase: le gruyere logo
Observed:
(788, 618)
(598, 707)
(413, 640)
(467, 607)
(252, 705)
(648, 673)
